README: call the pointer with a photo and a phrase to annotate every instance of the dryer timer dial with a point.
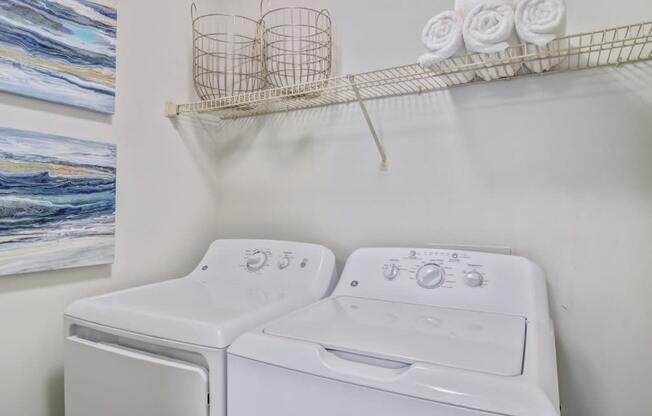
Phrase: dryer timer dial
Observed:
(256, 261)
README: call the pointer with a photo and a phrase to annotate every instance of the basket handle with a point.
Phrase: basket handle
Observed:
(193, 11)
(323, 12)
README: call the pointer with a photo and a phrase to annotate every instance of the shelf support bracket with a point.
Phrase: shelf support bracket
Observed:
(365, 113)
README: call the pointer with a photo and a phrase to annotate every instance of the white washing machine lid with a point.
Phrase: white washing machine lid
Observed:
(187, 310)
(408, 333)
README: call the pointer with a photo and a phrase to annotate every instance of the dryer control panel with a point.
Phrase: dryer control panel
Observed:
(277, 258)
(447, 278)
(269, 269)
(241, 258)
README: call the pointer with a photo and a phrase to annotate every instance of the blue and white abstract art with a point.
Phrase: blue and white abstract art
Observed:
(62, 51)
(57, 202)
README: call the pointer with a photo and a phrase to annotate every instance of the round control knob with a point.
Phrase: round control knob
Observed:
(391, 272)
(256, 261)
(430, 276)
(283, 262)
(473, 279)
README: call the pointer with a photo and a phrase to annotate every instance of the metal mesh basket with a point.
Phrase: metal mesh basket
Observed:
(227, 55)
(297, 44)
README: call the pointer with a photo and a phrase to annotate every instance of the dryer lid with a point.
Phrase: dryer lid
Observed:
(408, 333)
(187, 310)
(223, 297)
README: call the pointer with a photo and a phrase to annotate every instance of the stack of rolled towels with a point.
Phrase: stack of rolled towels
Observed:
(482, 31)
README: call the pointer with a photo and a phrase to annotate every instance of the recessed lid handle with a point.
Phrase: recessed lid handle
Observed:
(362, 365)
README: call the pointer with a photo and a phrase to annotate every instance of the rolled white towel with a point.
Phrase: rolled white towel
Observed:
(489, 31)
(539, 23)
(463, 7)
(442, 36)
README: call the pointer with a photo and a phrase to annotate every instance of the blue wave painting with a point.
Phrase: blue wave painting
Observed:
(57, 202)
(62, 51)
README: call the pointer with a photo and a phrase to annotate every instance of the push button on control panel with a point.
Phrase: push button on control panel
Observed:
(391, 271)
(284, 262)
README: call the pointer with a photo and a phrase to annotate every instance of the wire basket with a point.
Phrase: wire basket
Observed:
(227, 55)
(297, 44)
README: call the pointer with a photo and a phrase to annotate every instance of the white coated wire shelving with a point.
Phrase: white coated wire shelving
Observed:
(603, 48)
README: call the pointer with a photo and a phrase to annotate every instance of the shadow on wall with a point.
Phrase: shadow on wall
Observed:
(583, 370)
(549, 122)
(536, 89)
(21, 282)
(55, 388)
(220, 145)
(215, 142)
(635, 78)
(566, 135)
(26, 103)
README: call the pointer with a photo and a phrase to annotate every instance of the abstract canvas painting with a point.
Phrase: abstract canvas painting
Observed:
(62, 51)
(57, 202)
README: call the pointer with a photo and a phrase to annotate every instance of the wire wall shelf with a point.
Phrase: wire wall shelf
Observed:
(604, 48)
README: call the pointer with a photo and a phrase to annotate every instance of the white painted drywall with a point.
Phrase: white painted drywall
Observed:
(165, 208)
(558, 168)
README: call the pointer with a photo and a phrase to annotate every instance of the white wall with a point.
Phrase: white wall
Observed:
(165, 208)
(558, 168)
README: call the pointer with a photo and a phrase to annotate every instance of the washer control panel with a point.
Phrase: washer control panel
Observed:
(435, 269)
(448, 278)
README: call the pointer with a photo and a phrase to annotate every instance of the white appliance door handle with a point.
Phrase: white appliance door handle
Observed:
(129, 353)
(109, 380)
(362, 365)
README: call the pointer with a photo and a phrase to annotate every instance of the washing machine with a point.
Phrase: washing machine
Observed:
(160, 350)
(418, 332)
